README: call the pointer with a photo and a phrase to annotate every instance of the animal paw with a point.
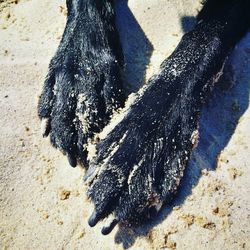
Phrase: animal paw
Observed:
(139, 164)
(83, 86)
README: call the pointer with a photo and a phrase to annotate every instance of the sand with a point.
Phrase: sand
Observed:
(43, 203)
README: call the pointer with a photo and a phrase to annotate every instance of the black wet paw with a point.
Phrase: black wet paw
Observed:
(138, 166)
(77, 101)
(83, 86)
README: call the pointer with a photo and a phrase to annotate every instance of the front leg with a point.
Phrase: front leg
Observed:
(83, 86)
(139, 164)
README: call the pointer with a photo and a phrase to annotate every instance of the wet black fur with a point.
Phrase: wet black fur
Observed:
(87, 62)
(156, 133)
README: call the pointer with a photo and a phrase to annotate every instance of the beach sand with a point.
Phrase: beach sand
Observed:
(42, 199)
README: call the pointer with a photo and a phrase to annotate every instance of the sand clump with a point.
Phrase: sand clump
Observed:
(63, 194)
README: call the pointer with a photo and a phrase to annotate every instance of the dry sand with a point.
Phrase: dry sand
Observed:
(43, 203)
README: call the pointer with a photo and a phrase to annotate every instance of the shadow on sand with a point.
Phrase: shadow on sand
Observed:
(137, 49)
(219, 118)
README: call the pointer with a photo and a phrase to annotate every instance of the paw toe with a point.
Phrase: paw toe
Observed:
(45, 103)
(110, 223)
(45, 127)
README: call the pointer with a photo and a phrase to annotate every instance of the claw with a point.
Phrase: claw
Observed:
(93, 219)
(45, 127)
(90, 174)
(111, 222)
(72, 160)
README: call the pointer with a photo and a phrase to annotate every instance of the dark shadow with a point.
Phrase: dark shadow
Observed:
(137, 49)
(187, 23)
(218, 122)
